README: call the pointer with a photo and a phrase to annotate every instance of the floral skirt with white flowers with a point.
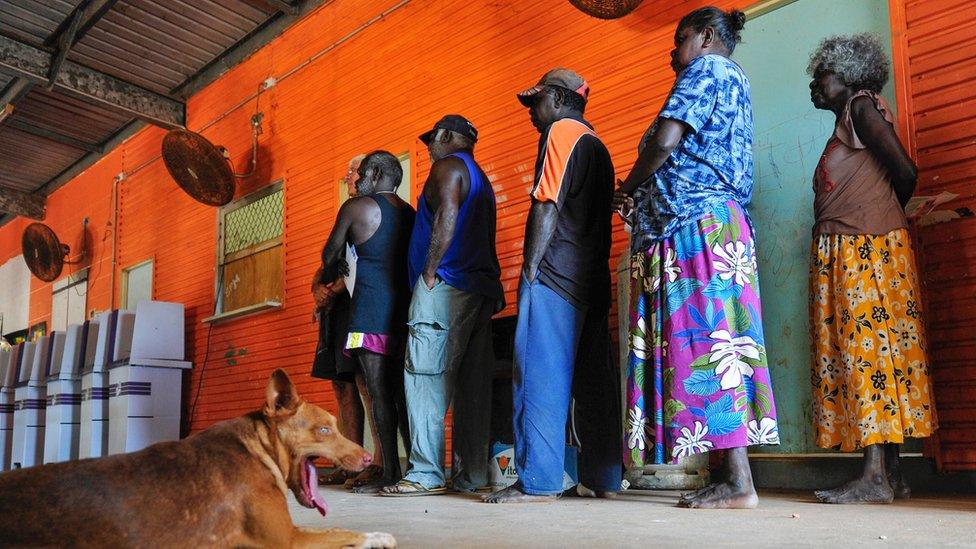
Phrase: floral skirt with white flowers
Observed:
(697, 378)
(870, 370)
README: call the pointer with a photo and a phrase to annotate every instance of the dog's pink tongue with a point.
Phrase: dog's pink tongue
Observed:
(311, 481)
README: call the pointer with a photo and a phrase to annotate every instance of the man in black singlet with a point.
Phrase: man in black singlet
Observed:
(378, 223)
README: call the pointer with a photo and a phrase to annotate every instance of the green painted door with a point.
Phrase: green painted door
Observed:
(789, 139)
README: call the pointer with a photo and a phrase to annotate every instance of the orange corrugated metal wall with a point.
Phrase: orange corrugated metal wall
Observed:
(88, 196)
(939, 65)
(10, 243)
(378, 89)
(380, 86)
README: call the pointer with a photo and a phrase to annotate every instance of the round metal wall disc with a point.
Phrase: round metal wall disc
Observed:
(43, 252)
(198, 167)
(606, 9)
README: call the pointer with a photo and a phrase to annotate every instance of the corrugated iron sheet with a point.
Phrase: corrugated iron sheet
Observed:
(69, 116)
(34, 20)
(27, 159)
(159, 45)
(943, 100)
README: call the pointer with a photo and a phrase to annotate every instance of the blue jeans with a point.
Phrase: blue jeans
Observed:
(562, 352)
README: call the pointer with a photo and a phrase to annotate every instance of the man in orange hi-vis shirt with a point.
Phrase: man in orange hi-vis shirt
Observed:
(562, 340)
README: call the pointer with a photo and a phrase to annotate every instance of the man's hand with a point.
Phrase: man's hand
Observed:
(430, 280)
(321, 294)
(325, 295)
(539, 229)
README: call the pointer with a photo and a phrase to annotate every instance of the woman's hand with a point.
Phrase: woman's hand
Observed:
(626, 209)
(622, 203)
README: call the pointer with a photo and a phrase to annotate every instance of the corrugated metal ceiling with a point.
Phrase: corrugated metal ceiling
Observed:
(88, 123)
(28, 159)
(34, 21)
(159, 45)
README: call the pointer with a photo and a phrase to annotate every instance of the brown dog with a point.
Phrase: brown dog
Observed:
(225, 486)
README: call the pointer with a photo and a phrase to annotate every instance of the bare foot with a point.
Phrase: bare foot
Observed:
(375, 486)
(866, 489)
(721, 495)
(514, 494)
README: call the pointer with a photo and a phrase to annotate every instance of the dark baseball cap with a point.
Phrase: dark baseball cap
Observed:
(564, 78)
(455, 123)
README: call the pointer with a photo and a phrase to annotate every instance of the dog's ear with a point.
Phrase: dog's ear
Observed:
(281, 397)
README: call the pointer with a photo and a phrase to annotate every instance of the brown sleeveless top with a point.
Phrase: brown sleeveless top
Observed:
(852, 190)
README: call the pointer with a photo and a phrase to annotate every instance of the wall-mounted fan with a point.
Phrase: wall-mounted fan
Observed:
(606, 9)
(45, 254)
(203, 169)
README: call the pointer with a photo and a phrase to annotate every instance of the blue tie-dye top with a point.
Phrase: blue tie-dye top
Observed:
(713, 162)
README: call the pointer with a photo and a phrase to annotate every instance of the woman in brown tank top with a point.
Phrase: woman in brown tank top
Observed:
(870, 368)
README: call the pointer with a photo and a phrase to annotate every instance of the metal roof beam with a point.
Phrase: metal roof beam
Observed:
(35, 65)
(65, 41)
(27, 127)
(21, 203)
(72, 29)
(90, 12)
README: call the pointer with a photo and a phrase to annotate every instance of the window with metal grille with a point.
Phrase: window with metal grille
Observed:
(250, 259)
(254, 223)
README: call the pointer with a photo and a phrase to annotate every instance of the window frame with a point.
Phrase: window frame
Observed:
(223, 259)
(124, 282)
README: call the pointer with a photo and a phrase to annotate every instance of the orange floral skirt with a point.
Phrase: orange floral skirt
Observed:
(870, 368)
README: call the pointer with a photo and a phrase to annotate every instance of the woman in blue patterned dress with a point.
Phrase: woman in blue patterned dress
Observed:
(697, 376)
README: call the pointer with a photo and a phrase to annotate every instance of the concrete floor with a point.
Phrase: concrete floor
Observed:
(642, 519)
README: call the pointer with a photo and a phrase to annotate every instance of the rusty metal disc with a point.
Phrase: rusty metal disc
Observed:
(43, 252)
(606, 9)
(198, 167)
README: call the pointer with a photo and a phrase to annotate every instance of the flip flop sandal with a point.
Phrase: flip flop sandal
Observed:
(364, 477)
(339, 476)
(407, 488)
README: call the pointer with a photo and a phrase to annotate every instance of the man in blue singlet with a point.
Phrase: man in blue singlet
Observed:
(455, 275)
